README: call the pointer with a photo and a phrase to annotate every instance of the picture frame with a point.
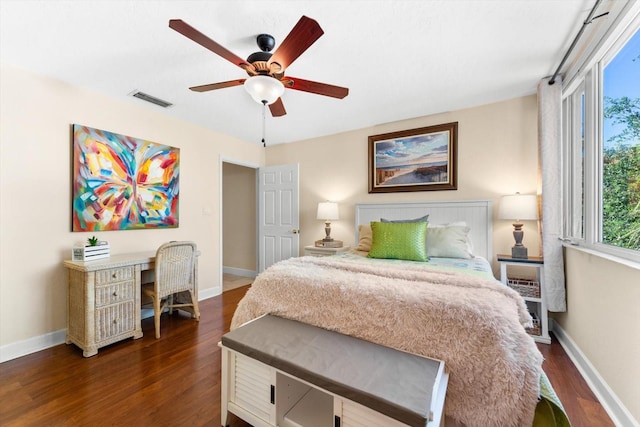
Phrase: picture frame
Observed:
(121, 182)
(421, 159)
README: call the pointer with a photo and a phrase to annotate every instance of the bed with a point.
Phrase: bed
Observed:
(394, 291)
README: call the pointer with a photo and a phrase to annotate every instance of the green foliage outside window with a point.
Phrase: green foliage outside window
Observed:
(621, 176)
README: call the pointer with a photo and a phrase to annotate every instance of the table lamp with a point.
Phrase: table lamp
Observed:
(328, 211)
(519, 207)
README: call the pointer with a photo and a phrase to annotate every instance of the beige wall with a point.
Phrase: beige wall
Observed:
(239, 217)
(35, 201)
(603, 319)
(497, 155)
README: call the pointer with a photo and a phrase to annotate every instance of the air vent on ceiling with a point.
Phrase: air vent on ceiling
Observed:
(151, 99)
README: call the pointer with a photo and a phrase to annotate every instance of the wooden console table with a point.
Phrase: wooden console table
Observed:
(103, 303)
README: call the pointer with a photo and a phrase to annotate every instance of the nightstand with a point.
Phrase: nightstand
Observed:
(317, 251)
(531, 290)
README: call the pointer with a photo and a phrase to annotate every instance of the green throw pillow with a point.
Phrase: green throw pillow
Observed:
(399, 240)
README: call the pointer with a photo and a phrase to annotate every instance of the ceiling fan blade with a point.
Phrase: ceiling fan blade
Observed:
(188, 31)
(214, 86)
(315, 87)
(303, 35)
(277, 108)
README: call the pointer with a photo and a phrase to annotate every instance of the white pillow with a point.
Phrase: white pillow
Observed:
(365, 236)
(449, 241)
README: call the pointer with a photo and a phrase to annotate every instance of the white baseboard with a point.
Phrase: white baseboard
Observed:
(51, 339)
(239, 272)
(31, 345)
(209, 293)
(619, 414)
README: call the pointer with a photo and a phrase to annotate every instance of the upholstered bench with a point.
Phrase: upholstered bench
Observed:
(280, 372)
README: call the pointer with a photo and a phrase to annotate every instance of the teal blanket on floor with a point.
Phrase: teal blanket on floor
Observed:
(549, 411)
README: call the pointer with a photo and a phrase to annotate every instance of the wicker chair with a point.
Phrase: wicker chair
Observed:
(174, 286)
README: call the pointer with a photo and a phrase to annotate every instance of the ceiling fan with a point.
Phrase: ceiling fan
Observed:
(266, 70)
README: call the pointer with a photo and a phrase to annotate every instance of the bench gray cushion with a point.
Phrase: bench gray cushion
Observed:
(389, 381)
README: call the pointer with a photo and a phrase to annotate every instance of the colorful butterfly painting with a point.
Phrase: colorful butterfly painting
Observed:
(123, 183)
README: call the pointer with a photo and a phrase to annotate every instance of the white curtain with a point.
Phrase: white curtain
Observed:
(550, 186)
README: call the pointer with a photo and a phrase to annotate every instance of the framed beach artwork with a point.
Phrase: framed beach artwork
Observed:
(422, 159)
(123, 183)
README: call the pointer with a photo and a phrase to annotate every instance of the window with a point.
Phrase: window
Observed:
(620, 154)
(601, 164)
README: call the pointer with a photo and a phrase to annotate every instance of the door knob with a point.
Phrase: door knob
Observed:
(295, 231)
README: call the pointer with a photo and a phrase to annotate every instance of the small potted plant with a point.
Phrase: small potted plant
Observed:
(93, 249)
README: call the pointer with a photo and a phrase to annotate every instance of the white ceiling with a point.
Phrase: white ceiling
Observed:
(399, 59)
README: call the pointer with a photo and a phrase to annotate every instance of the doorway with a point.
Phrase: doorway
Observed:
(239, 224)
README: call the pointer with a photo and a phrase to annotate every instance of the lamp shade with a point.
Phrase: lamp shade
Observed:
(264, 89)
(327, 211)
(519, 207)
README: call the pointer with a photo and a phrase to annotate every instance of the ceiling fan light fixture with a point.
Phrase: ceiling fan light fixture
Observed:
(264, 89)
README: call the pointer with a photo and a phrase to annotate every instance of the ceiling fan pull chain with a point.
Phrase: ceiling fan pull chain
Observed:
(264, 119)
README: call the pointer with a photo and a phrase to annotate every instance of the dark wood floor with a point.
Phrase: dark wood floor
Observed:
(175, 381)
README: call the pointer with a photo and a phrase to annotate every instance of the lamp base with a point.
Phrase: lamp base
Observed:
(519, 252)
(328, 244)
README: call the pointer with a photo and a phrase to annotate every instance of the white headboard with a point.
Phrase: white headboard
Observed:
(476, 213)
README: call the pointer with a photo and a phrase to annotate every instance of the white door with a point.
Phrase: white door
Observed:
(278, 214)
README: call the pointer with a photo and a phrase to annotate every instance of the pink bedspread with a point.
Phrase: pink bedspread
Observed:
(475, 326)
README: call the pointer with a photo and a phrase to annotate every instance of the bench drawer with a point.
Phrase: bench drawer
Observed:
(251, 388)
(355, 415)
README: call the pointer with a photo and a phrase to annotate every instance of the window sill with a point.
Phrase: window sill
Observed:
(609, 257)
